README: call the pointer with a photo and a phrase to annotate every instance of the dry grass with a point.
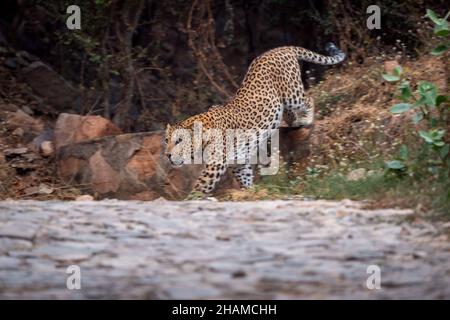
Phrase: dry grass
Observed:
(354, 122)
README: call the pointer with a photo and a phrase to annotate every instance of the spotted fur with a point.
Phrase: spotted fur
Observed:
(271, 89)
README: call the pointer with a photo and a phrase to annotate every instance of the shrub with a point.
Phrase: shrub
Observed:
(431, 115)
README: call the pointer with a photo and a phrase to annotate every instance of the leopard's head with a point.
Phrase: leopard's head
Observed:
(187, 138)
(174, 141)
(179, 143)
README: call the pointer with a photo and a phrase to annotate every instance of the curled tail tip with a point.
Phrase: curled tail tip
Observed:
(333, 50)
(330, 46)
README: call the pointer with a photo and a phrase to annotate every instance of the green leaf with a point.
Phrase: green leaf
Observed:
(417, 117)
(432, 122)
(403, 152)
(439, 143)
(395, 165)
(444, 151)
(428, 91)
(433, 16)
(440, 49)
(390, 77)
(426, 136)
(443, 33)
(443, 29)
(441, 99)
(400, 108)
(405, 91)
(398, 71)
(438, 134)
(426, 86)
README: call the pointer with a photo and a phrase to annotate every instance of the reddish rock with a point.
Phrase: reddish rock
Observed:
(47, 148)
(127, 166)
(70, 169)
(9, 107)
(104, 178)
(144, 196)
(72, 128)
(144, 162)
(18, 132)
(84, 197)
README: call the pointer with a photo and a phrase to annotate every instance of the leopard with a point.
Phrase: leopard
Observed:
(271, 91)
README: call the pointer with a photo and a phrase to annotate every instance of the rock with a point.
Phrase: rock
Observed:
(142, 165)
(45, 189)
(18, 132)
(239, 274)
(41, 189)
(26, 57)
(8, 263)
(144, 196)
(127, 166)
(11, 63)
(390, 65)
(53, 88)
(419, 254)
(31, 190)
(28, 110)
(47, 148)
(356, 174)
(104, 178)
(9, 107)
(24, 229)
(28, 124)
(15, 151)
(30, 156)
(84, 197)
(3, 41)
(46, 135)
(72, 128)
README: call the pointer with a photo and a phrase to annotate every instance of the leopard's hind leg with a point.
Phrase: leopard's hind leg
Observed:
(300, 114)
(244, 175)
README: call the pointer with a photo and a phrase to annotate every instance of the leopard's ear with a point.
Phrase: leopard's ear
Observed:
(168, 127)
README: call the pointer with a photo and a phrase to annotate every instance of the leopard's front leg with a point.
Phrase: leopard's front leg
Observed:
(210, 175)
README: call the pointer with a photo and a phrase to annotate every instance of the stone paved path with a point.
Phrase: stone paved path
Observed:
(201, 249)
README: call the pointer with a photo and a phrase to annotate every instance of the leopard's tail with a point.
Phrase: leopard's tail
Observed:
(336, 55)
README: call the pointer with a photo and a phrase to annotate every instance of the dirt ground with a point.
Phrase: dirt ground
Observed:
(206, 249)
